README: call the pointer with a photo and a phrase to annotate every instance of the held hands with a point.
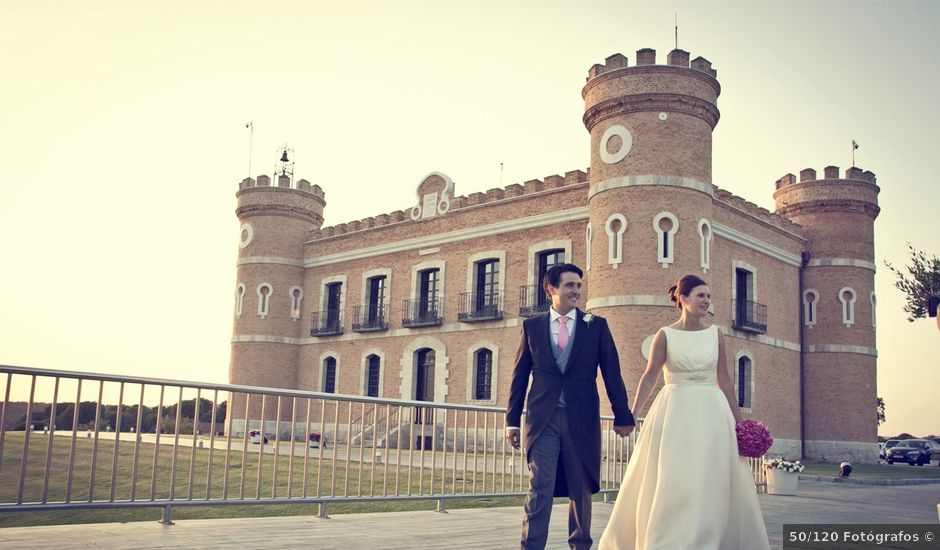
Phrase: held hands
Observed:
(512, 436)
(623, 431)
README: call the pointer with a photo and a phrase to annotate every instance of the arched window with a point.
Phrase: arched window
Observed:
(296, 297)
(588, 235)
(874, 302)
(424, 374)
(614, 227)
(264, 291)
(239, 299)
(745, 382)
(373, 375)
(847, 296)
(329, 375)
(665, 224)
(810, 300)
(483, 368)
(705, 244)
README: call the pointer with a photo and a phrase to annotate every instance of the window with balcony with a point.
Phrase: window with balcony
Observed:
(373, 315)
(484, 375)
(425, 309)
(328, 321)
(484, 303)
(532, 298)
(749, 316)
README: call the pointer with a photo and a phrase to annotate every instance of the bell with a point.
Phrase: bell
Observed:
(284, 156)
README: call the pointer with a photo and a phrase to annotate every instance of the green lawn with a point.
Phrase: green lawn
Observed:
(245, 480)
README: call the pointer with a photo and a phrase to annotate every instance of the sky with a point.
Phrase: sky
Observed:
(123, 139)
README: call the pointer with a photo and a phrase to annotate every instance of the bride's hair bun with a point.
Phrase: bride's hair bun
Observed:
(673, 294)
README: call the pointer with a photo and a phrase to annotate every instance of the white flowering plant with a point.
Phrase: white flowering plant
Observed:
(588, 318)
(793, 466)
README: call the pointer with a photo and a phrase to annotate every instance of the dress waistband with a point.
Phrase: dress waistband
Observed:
(697, 377)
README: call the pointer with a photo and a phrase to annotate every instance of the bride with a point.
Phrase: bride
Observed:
(686, 487)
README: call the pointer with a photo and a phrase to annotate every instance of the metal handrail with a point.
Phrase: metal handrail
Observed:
(456, 451)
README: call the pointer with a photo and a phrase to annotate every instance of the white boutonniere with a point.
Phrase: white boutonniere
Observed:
(588, 318)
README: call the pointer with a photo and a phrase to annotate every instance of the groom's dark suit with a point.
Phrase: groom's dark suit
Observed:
(576, 425)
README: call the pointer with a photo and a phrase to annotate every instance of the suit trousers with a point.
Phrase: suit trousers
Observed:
(555, 443)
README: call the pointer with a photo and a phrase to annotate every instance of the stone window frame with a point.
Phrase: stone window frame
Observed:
(665, 258)
(239, 299)
(538, 248)
(848, 307)
(364, 371)
(810, 309)
(874, 302)
(342, 293)
(752, 290)
(705, 244)
(415, 283)
(296, 302)
(264, 300)
(615, 239)
(752, 369)
(377, 272)
(472, 350)
(474, 259)
(408, 368)
(321, 385)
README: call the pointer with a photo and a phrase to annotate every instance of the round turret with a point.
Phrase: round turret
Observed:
(650, 194)
(269, 320)
(838, 308)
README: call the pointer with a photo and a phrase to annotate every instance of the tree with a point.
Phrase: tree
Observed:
(881, 411)
(923, 281)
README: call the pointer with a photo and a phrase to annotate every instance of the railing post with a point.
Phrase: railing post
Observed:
(321, 511)
(441, 508)
(167, 510)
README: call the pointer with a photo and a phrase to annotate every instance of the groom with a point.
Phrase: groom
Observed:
(562, 350)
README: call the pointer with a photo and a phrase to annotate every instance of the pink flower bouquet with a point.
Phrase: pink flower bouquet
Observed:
(753, 438)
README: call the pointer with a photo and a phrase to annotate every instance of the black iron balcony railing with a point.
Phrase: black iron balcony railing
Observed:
(422, 312)
(328, 322)
(370, 318)
(480, 306)
(749, 316)
(532, 300)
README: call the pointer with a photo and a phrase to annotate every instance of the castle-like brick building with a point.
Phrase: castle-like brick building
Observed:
(427, 303)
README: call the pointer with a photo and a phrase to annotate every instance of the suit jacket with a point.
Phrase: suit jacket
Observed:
(593, 349)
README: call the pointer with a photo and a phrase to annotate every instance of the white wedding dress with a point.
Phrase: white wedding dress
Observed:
(685, 486)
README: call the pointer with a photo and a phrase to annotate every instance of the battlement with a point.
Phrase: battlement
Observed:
(829, 173)
(491, 196)
(761, 213)
(283, 182)
(647, 56)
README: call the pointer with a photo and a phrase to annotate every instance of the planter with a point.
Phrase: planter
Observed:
(780, 482)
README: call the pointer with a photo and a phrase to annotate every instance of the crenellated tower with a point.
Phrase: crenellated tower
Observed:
(268, 328)
(650, 182)
(838, 309)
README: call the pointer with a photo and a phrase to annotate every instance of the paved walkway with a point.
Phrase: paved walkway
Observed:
(476, 529)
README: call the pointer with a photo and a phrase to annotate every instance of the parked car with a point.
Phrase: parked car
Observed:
(315, 439)
(881, 450)
(888, 445)
(913, 451)
(257, 437)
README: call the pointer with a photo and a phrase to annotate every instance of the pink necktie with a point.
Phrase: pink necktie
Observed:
(562, 333)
